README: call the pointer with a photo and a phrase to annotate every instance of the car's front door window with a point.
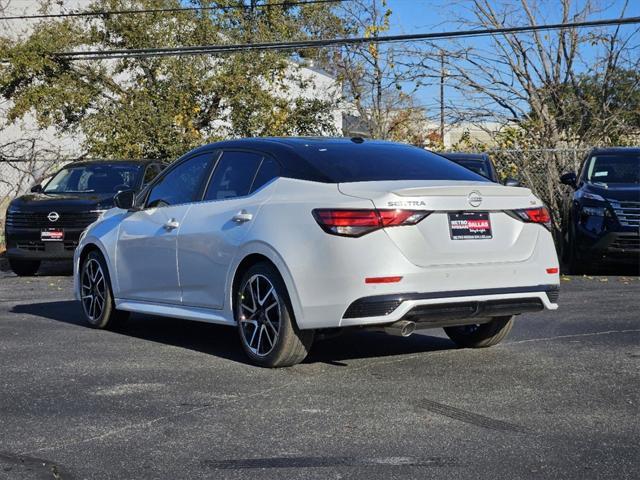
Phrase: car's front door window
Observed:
(182, 184)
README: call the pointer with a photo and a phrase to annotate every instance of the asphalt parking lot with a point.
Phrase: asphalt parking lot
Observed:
(162, 398)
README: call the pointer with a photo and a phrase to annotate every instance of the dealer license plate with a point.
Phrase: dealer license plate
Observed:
(52, 235)
(470, 226)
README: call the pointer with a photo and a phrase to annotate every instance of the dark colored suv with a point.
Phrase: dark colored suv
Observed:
(46, 224)
(601, 215)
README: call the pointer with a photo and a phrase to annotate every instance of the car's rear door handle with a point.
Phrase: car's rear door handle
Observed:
(242, 216)
(171, 224)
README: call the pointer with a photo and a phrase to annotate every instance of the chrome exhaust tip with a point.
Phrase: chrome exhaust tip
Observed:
(401, 328)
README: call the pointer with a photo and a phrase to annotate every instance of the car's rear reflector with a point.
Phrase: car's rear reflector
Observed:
(382, 279)
(358, 222)
(552, 270)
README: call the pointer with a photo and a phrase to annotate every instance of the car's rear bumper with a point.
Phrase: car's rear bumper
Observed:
(438, 309)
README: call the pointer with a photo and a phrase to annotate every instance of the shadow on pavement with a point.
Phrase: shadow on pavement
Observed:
(607, 269)
(223, 341)
(367, 344)
(48, 268)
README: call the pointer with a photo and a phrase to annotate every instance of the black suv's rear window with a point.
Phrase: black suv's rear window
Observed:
(362, 163)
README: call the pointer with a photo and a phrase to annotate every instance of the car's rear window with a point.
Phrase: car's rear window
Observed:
(344, 162)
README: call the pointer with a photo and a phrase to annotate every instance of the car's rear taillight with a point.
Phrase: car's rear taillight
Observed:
(355, 223)
(535, 215)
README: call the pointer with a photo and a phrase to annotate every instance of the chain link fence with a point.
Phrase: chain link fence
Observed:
(540, 171)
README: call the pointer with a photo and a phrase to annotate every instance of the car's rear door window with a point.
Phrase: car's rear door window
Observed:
(233, 176)
(269, 169)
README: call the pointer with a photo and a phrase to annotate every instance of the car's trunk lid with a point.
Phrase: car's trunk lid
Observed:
(431, 241)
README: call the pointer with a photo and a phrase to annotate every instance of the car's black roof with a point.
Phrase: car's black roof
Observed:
(81, 163)
(296, 153)
(297, 145)
(618, 150)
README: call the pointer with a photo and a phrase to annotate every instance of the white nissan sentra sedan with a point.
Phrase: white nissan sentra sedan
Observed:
(285, 238)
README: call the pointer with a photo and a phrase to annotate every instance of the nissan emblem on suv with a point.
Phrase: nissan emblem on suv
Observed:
(53, 216)
(474, 198)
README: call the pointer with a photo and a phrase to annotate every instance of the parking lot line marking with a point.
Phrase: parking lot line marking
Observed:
(574, 335)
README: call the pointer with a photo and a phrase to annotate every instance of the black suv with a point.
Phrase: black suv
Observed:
(601, 216)
(46, 224)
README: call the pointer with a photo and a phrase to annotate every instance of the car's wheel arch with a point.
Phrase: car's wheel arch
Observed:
(261, 252)
(95, 246)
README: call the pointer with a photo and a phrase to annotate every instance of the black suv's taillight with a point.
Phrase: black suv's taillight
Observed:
(358, 222)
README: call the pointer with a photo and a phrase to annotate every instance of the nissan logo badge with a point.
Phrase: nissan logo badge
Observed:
(53, 216)
(474, 198)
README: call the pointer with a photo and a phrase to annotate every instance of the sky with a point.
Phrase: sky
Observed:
(416, 16)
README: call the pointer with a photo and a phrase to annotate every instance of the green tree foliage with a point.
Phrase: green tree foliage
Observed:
(598, 108)
(160, 107)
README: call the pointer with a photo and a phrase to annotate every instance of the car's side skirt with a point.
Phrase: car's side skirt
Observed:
(198, 314)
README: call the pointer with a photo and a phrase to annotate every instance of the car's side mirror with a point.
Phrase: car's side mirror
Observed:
(569, 179)
(36, 188)
(125, 199)
(511, 182)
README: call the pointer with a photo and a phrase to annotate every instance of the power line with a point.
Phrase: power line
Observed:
(295, 45)
(169, 10)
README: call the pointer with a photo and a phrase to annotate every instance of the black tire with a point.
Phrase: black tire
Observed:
(24, 268)
(108, 316)
(481, 336)
(290, 345)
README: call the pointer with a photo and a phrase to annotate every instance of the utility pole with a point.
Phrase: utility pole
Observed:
(251, 17)
(442, 74)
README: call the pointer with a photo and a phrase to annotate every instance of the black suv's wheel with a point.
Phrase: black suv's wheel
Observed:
(480, 336)
(24, 268)
(266, 324)
(96, 295)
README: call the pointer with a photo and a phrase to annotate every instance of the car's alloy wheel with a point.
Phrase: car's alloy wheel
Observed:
(259, 315)
(95, 293)
(94, 290)
(266, 323)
